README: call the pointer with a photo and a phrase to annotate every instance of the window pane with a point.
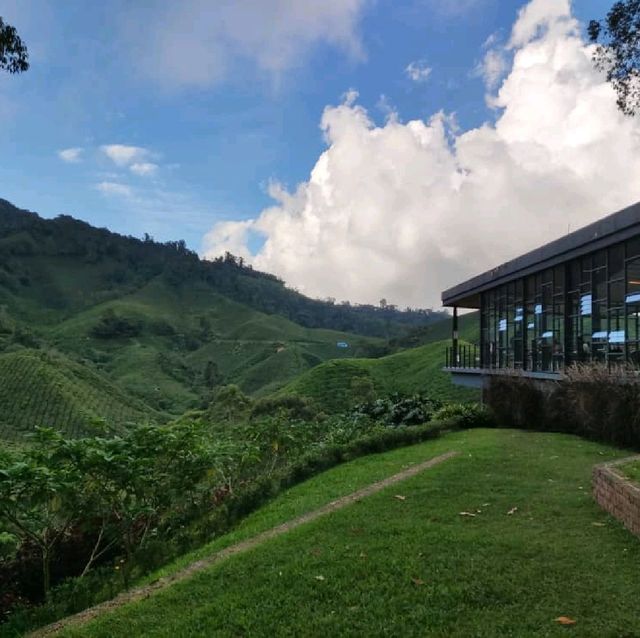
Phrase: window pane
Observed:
(616, 294)
(586, 274)
(616, 262)
(574, 275)
(600, 283)
(633, 281)
(633, 247)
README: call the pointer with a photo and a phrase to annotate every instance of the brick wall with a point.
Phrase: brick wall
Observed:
(618, 496)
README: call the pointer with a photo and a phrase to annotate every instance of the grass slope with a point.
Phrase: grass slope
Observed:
(415, 567)
(409, 371)
(50, 390)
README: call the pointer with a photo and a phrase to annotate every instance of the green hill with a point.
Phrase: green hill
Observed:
(417, 370)
(160, 325)
(56, 266)
(38, 388)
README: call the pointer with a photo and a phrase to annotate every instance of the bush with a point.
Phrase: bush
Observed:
(290, 406)
(468, 415)
(112, 326)
(591, 400)
(229, 404)
(398, 409)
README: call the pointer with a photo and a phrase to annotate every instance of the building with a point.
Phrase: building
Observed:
(576, 299)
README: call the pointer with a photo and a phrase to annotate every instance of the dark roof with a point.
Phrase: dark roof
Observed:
(609, 230)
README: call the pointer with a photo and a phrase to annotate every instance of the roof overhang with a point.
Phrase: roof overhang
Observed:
(605, 232)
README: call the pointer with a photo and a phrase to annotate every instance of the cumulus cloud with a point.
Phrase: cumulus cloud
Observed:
(198, 42)
(143, 168)
(114, 188)
(493, 68)
(403, 211)
(124, 155)
(418, 71)
(71, 155)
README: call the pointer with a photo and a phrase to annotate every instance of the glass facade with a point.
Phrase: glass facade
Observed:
(587, 309)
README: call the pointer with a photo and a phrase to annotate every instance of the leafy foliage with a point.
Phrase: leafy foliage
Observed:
(397, 409)
(112, 326)
(619, 51)
(14, 57)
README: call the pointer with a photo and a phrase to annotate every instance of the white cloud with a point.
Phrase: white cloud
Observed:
(114, 188)
(143, 168)
(418, 71)
(493, 68)
(71, 155)
(198, 42)
(124, 155)
(403, 211)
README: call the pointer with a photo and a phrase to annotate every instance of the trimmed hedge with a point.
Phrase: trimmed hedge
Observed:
(591, 401)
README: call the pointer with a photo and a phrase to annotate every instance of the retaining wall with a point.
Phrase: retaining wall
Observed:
(617, 495)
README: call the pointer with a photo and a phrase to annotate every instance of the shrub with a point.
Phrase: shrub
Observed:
(468, 415)
(590, 400)
(398, 409)
(290, 406)
(229, 404)
(112, 326)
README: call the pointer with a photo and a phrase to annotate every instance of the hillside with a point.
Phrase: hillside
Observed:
(481, 544)
(156, 324)
(334, 385)
(65, 265)
(38, 388)
(160, 326)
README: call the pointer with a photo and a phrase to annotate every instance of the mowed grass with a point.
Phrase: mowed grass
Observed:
(415, 566)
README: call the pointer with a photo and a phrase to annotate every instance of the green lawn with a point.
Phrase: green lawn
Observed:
(416, 567)
(632, 470)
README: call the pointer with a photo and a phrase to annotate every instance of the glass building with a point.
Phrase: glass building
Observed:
(576, 299)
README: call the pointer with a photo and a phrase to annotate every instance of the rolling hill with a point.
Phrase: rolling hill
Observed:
(152, 329)
(43, 389)
(416, 370)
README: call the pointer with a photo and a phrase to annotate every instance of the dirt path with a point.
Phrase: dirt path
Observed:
(238, 548)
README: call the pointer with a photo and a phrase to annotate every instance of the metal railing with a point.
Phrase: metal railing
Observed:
(465, 356)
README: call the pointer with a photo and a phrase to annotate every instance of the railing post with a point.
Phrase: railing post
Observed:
(454, 343)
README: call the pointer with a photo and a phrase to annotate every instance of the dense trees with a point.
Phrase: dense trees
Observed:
(14, 57)
(618, 51)
(133, 262)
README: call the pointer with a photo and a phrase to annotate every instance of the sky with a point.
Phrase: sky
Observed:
(359, 149)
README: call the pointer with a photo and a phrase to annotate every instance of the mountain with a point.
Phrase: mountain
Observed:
(113, 264)
(152, 329)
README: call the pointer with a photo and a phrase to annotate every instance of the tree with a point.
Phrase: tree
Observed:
(14, 57)
(39, 497)
(618, 51)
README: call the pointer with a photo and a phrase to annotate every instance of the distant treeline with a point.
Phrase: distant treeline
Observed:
(133, 262)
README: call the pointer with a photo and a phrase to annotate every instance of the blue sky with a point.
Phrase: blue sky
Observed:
(209, 144)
